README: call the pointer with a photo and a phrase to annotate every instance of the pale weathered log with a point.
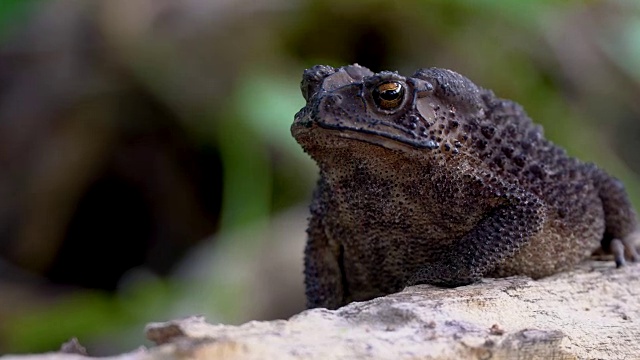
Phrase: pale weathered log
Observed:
(590, 313)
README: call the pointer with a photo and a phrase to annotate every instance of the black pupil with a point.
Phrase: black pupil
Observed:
(390, 94)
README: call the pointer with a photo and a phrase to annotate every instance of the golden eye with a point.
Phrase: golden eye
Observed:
(388, 95)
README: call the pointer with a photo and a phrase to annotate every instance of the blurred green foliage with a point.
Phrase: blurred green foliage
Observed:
(12, 12)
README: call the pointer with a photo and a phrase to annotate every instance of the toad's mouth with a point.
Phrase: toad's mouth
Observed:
(380, 134)
(377, 137)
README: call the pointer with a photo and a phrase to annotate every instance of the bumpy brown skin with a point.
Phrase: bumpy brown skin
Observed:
(443, 186)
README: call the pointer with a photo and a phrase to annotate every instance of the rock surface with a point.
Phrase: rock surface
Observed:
(590, 313)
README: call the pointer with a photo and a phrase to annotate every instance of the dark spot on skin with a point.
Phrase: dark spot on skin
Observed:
(488, 131)
(520, 160)
(507, 151)
(537, 171)
(562, 213)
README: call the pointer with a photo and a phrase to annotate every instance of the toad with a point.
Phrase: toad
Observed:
(432, 179)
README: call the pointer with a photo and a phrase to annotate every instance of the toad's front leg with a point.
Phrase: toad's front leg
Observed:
(496, 238)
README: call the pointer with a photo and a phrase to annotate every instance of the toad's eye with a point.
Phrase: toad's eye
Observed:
(388, 95)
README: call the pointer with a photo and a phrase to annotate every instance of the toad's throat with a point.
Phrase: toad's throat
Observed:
(377, 137)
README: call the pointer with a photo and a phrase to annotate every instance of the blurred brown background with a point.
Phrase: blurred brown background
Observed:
(146, 166)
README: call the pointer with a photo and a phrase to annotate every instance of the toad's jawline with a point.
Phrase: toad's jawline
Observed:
(379, 138)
